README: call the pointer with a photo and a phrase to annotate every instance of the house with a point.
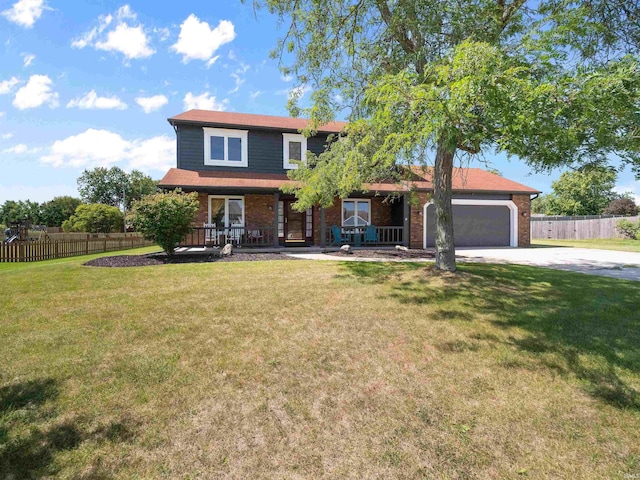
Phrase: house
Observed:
(237, 163)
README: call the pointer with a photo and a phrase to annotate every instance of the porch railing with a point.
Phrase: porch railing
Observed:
(237, 236)
(366, 236)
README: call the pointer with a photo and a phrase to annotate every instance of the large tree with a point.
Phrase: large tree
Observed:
(586, 191)
(110, 185)
(56, 211)
(552, 82)
(20, 212)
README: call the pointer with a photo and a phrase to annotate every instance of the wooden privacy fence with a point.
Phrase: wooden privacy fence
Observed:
(47, 250)
(576, 228)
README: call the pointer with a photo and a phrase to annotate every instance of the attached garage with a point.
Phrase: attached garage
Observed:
(477, 223)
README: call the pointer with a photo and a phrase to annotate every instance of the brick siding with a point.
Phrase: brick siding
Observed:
(523, 202)
(416, 226)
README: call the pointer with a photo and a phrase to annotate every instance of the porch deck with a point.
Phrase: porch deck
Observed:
(261, 237)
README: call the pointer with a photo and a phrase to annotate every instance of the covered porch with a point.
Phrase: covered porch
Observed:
(269, 220)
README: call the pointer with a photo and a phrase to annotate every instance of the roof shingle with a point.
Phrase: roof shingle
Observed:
(464, 180)
(232, 119)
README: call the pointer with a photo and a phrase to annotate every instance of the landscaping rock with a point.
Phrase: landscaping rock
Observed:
(227, 249)
(402, 248)
(345, 249)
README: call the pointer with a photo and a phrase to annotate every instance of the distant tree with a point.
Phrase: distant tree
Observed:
(56, 211)
(94, 218)
(139, 186)
(621, 206)
(544, 204)
(109, 185)
(22, 211)
(165, 218)
(586, 191)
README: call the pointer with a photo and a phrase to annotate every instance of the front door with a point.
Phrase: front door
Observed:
(295, 227)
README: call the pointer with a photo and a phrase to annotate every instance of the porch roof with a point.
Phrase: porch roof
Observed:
(464, 180)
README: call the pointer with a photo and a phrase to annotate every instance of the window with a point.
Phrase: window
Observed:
(226, 211)
(356, 213)
(223, 147)
(294, 148)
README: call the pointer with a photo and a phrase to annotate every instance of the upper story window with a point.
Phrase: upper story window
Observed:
(294, 148)
(225, 147)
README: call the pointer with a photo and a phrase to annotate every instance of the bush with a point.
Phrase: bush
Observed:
(165, 218)
(629, 229)
(94, 218)
(621, 206)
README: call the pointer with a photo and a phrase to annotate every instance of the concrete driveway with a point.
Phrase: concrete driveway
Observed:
(606, 263)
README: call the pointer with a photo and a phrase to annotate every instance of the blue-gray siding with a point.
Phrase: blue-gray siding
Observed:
(264, 149)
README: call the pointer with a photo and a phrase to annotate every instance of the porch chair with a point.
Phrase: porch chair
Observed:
(370, 234)
(336, 236)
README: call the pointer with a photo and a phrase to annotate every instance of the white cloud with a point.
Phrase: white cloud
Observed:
(206, 101)
(7, 136)
(126, 38)
(91, 101)
(35, 93)
(151, 104)
(132, 42)
(197, 41)
(7, 85)
(21, 149)
(237, 76)
(286, 78)
(25, 12)
(254, 95)
(102, 148)
(157, 153)
(27, 58)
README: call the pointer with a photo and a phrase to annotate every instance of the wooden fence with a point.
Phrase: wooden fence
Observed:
(47, 250)
(576, 228)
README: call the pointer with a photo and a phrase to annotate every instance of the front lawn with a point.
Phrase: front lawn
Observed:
(624, 244)
(304, 369)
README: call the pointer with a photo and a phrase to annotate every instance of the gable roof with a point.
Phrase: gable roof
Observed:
(464, 180)
(232, 119)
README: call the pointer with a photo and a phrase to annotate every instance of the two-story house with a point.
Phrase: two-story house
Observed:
(238, 162)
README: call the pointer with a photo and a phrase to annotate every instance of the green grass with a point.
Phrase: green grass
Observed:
(623, 244)
(298, 369)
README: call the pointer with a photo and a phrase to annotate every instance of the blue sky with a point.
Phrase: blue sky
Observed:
(86, 84)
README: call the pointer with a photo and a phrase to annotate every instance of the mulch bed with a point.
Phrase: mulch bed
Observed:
(161, 259)
(394, 254)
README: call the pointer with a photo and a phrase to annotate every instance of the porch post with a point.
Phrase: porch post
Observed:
(276, 200)
(406, 214)
(323, 229)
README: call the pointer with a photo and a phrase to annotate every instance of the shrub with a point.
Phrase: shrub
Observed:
(94, 218)
(621, 206)
(629, 229)
(165, 218)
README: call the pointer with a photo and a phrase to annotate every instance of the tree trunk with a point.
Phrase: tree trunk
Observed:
(442, 175)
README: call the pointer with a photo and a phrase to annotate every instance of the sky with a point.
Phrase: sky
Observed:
(91, 83)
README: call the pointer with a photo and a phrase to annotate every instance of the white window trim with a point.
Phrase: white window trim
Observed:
(226, 133)
(513, 216)
(368, 200)
(292, 137)
(226, 209)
